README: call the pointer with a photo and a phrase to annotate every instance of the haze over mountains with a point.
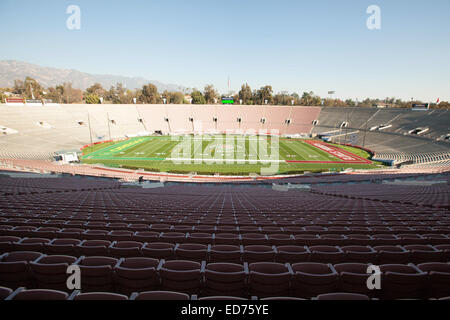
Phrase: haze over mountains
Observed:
(11, 70)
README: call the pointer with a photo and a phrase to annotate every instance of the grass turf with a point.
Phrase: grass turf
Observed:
(153, 154)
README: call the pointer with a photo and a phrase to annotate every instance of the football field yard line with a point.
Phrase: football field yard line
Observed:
(256, 151)
(160, 147)
(103, 151)
(170, 146)
(288, 146)
(322, 154)
(304, 155)
(147, 148)
(194, 149)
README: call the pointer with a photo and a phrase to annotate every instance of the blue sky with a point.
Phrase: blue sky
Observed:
(293, 45)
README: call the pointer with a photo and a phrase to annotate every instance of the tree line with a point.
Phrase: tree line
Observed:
(149, 94)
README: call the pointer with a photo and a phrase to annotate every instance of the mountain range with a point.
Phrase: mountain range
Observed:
(11, 70)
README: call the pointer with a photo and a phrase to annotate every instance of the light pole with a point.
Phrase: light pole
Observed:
(331, 94)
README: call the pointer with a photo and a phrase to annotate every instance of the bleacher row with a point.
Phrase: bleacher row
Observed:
(434, 195)
(415, 158)
(305, 280)
(277, 244)
(395, 139)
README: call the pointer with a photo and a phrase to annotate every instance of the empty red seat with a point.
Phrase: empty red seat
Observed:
(292, 254)
(125, 249)
(227, 239)
(386, 239)
(424, 253)
(312, 279)
(258, 253)
(326, 254)
(249, 239)
(204, 228)
(7, 243)
(70, 233)
(136, 275)
(436, 239)
(94, 248)
(138, 227)
(391, 254)
(147, 236)
(173, 237)
(445, 248)
(353, 278)
(50, 272)
(181, 276)
(161, 295)
(199, 237)
(160, 227)
(333, 240)
(307, 239)
(5, 292)
(192, 251)
(402, 282)
(268, 279)
(100, 296)
(410, 239)
(62, 247)
(94, 235)
(14, 269)
(22, 231)
(46, 232)
(438, 284)
(360, 239)
(117, 226)
(96, 224)
(39, 294)
(120, 235)
(226, 279)
(281, 239)
(97, 274)
(222, 298)
(342, 296)
(362, 254)
(31, 244)
(159, 250)
(226, 253)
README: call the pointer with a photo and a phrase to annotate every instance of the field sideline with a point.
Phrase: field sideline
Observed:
(231, 155)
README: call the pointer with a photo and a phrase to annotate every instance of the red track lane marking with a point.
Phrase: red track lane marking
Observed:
(357, 159)
(188, 177)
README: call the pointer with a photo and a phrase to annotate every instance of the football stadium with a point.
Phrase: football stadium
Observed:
(136, 199)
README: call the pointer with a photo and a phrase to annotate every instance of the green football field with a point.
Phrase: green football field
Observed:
(226, 155)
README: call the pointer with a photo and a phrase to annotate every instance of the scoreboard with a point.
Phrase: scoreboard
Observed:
(227, 100)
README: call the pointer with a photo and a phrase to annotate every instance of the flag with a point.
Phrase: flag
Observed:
(437, 102)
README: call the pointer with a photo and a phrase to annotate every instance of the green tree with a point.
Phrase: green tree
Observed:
(149, 94)
(197, 97)
(264, 94)
(211, 94)
(29, 88)
(96, 89)
(55, 94)
(70, 94)
(245, 94)
(283, 99)
(177, 97)
(92, 99)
